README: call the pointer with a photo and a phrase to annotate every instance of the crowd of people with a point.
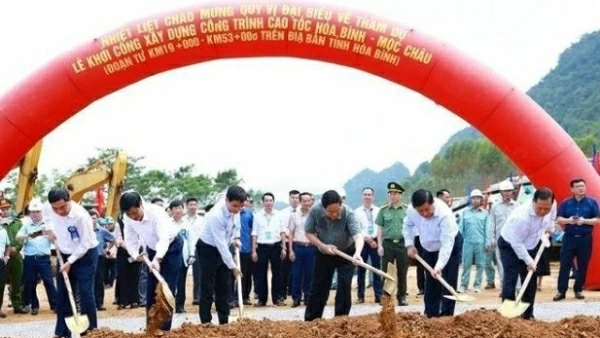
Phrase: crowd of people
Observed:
(298, 247)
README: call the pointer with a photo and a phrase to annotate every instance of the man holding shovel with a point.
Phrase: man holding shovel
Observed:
(522, 234)
(442, 244)
(152, 225)
(72, 230)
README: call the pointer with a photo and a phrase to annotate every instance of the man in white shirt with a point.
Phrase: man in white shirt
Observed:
(216, 261)
(286, 264)
(268, 235)
(366, 215)
(301, 252)
(523, 232)
(196, 223)
(188, 252)
(442, 244)
(151, 224)
(72, 230)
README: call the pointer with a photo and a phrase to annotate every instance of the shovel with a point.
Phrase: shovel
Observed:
(77, 323)
(238, 281)
(389, 285)
(515, 308)
(455, 296)
(163, 284)
(365, 265)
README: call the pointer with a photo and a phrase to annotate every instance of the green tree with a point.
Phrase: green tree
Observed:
(587, 143)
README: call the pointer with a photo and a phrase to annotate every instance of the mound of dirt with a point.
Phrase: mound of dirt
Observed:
(159, 312)
(473, 324)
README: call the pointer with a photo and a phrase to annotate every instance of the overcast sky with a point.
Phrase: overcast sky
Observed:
(248, 114)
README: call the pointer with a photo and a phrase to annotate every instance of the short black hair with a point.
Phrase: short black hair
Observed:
(575, 181)
(93, 212)
(156, 199)
(420, 197)
(441, 192)
(372, 190)
(294, 192)
(305, 194)
(267, 194)
(208, 207)
(191, 199)
(57, 194)
(130, 199)
(175, 204)
(236, 193)
(543, 194)
(330, 197)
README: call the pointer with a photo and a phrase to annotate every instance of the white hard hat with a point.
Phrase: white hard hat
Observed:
(35, 205)
(476, 193)
(506, 186)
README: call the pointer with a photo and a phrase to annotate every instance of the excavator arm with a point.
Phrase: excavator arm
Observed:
(28, 174)
(96, 175)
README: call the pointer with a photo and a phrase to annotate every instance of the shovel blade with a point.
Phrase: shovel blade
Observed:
(461, 298)
(78, 324)
(512, 309)
(389, 284)
(168, 295)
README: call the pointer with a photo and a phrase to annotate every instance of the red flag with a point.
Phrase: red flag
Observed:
(100, 200)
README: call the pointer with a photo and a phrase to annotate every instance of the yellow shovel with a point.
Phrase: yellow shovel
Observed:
(77, 323)
(364, 265)
(389, 285)
(238, 281)
(455, 296)
(163, 284)
(515, 308)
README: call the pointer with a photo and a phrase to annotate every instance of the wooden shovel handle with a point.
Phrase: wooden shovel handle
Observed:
(67, 281)
(363, 264)
(439, 278)
(538, 256)
(157, 274)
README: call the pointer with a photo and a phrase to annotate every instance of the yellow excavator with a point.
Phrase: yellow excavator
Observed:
(28, 174)
(96, 175)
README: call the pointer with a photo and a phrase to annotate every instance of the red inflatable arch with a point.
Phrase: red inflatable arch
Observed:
(539, 146)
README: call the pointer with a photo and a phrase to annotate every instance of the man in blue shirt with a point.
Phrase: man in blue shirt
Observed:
(105, 241)
(36, 248)
(577, 215)
(216, 261)
(246, 219)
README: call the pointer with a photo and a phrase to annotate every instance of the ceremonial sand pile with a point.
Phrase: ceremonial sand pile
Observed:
(473, 324)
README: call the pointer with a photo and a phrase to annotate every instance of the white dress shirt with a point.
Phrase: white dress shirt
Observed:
(74, 233)
(196, 224)
(219, 232)
(267, 227)
(437, 233)
(296, 226)
(369, 229)
(285, 215)
(524, 229)
(183, 228)
(156, 230)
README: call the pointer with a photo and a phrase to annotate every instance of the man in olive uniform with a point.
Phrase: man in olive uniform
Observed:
(390, 220)
(14, 266)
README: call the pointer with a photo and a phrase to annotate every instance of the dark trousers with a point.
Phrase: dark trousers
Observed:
(110, 272)
(214, 272)
(247, 272)
(2, 280)
(268, 253)
(302, 271)
(513, 269)
(436, 305)
(370, 253)
(35, 266)
(81, 276)
(420, 269)
(99, 281)
(143, 283)
(325, 265)
(13, 274)
(181, 279)
(196, 276)
(580, 247)
(128, 276)
(169, 269)
(285, 277)
(395, 251)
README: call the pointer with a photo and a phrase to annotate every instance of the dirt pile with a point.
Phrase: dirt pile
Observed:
(159, 312)
(473, 324)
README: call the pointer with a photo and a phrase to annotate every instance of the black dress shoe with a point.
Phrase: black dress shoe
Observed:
(195, 302)
(402, 301)
(35, 311)
(360, 301)
(180, 310)
(247, 302)
(579, 295)
(296, 303)
(260, 304)
(559, 296)
(377, 300)
(101, 308)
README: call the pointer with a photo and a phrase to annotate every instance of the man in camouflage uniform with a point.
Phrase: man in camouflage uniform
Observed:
(14, 266)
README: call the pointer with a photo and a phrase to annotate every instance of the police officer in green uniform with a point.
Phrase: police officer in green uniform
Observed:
(14, 267)
(390, 220)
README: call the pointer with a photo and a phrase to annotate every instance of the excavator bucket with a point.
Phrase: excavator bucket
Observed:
(390, 286)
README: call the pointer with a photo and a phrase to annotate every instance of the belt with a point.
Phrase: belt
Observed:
(38, 256)
(304, 244)
(394, 240)
(269, 245)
